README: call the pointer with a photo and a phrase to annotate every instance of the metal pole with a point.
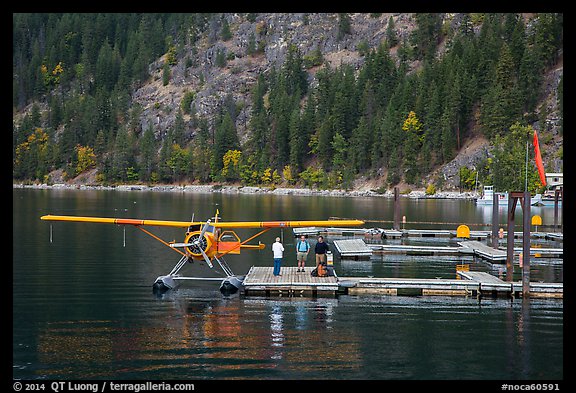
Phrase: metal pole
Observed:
(396, 209)
(495, 220)
(526, 246)
(526, 179)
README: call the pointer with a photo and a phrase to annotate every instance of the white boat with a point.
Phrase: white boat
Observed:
(488, 197)
(545, 200)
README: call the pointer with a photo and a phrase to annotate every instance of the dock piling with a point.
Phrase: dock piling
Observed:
(495, 220)
(524, 196)
(526, 246)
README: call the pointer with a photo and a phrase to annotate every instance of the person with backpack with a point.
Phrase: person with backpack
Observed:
(302, 248)
(320, 250)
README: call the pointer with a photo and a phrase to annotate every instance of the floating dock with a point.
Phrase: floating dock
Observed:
(358, 249)
(393, 234)
(260, 281)
(484, 251)
(354, 248)
(414, 250)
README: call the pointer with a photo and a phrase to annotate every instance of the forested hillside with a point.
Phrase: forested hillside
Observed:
(316, 100)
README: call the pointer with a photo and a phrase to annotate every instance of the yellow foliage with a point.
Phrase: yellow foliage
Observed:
(412, 123)
(287, 173)
(86, 158)
(231, 156)
(37, 140)
(266, 176)
(58, 69)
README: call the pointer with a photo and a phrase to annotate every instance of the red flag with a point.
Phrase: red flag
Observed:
(538, 157)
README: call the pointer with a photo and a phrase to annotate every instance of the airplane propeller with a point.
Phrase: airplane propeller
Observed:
(197, 244)
(206, 258)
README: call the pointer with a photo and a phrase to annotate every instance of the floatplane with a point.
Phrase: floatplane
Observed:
(205, 241)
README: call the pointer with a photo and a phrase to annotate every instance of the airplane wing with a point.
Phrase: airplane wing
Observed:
(220, 224)
(287, 224)
(121, 221)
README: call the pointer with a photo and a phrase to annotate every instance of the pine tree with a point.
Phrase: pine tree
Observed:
(344, 27)
(391, 36)
(122, 155)
(225, 138)
(427, 34)
(501, 104)
(297, 141)
(147, 154)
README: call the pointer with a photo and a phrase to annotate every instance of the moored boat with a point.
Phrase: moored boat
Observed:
(487, 197)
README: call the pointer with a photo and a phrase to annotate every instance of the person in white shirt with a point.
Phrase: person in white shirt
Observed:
(278, 250)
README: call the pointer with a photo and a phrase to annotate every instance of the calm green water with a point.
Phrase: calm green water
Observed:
(83, 306)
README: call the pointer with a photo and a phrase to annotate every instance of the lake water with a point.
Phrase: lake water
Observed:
(83, 306)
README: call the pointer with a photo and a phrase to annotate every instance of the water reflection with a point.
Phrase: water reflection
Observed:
(276, 331)
(389, 337)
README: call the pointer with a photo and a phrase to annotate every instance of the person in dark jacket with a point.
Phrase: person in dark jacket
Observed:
(320, 250)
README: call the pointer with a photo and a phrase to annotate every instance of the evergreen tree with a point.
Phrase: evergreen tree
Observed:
(122, 155)
(225, 138)
(147, 154)
(391, 36)
(530, 78)
(294, 74)
(427, 34)
(225, 32)
(344, 27)
(501, 105)
(297, 141)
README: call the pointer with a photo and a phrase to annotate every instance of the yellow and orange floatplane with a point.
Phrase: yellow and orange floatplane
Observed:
(208, 241)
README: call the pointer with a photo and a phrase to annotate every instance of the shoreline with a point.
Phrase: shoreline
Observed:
(232, 189)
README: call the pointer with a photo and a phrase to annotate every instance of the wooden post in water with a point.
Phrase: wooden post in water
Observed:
(525, 200)
(526, 246)
(495, 220)
(557, 194)
(396, 209)
(510, 240)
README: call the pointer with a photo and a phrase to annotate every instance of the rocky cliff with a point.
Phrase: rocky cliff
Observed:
(259, 42)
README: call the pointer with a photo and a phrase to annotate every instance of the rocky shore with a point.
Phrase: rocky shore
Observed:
(232, 189)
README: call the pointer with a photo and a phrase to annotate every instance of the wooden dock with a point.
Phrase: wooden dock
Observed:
(261, 281)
